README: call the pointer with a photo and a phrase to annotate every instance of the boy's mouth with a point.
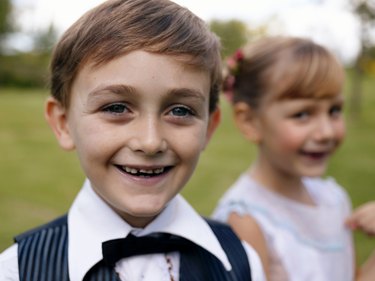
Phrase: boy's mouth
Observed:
(144, 172)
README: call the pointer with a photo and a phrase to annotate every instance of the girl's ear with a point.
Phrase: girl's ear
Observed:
(56, 116)
(247, 121)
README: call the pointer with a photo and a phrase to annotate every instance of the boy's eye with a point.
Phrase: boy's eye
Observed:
(181, 111)
(116, 108)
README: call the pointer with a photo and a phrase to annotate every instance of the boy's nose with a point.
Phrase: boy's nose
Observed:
(148, 138)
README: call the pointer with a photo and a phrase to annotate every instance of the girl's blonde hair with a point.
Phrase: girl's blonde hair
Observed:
(285, 67)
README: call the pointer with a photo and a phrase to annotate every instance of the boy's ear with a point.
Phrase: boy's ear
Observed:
(247, 122)
(56, 115)
(213, 122)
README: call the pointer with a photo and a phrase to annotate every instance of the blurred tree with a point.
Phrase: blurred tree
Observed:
(45, 39)
(233, 34)
(5, 20)
(24, 70)
(365, 12)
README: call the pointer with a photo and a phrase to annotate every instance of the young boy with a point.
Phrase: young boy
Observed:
(134, 91)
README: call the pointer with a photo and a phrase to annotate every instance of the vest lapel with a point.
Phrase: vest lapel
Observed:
(193, 267)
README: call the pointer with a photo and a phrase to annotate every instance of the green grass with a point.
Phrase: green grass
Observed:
(39, 180)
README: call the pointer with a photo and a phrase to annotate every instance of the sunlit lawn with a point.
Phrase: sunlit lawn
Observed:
(39, 181)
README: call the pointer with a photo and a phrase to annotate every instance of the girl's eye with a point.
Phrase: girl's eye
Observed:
(116, 108)
(301, 115)
(335, 110)
(181, 111)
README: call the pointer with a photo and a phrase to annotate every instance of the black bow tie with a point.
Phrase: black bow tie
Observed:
(114, 250)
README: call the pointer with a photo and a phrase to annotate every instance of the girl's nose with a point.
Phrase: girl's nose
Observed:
(148, 137)
(324, 129)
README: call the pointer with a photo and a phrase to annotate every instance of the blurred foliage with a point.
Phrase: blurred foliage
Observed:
(29, 69)
(44, 40)
(232, 33)
(24, 70)
(365, 12)
(5, 20)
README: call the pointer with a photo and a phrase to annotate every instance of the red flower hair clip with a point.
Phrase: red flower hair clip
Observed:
(232, 67)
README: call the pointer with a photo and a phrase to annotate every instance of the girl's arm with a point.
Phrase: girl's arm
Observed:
(248, 230)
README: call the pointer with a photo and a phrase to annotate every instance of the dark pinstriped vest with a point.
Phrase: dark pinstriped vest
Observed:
(43, 256)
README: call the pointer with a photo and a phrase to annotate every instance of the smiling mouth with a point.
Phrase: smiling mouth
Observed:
(144, 173)
(315, 155)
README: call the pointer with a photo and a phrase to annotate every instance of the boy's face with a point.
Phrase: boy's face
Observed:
(138, 124)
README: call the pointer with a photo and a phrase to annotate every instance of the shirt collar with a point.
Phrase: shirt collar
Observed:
(91, 221)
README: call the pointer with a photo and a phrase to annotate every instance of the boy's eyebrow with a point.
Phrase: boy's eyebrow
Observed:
(116, 89)
(188, 93)
(121, 89)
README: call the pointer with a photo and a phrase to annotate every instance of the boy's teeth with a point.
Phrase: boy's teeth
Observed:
(130, 170)
(144, 171)
(134, 171)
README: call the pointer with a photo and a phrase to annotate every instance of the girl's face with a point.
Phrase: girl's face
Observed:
(297, 136)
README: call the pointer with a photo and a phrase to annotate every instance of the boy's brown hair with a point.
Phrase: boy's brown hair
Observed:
(286, 67)
(118, 27)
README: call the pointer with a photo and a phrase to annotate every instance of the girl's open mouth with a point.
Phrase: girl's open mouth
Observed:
(315, 155)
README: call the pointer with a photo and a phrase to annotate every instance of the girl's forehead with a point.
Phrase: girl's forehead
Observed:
(274, 98)
(317, 87)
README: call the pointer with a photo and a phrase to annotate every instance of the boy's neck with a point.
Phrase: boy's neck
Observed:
(136, 222)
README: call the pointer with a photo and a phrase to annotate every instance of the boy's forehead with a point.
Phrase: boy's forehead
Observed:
(135, 68)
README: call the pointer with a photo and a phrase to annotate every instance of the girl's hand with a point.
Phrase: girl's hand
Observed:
(363, 218)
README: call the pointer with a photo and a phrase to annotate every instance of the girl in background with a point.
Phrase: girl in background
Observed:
(287, 100)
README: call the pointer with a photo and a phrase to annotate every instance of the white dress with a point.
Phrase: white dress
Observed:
(306, 243)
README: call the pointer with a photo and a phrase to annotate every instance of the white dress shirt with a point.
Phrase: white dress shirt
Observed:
(91, 221)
